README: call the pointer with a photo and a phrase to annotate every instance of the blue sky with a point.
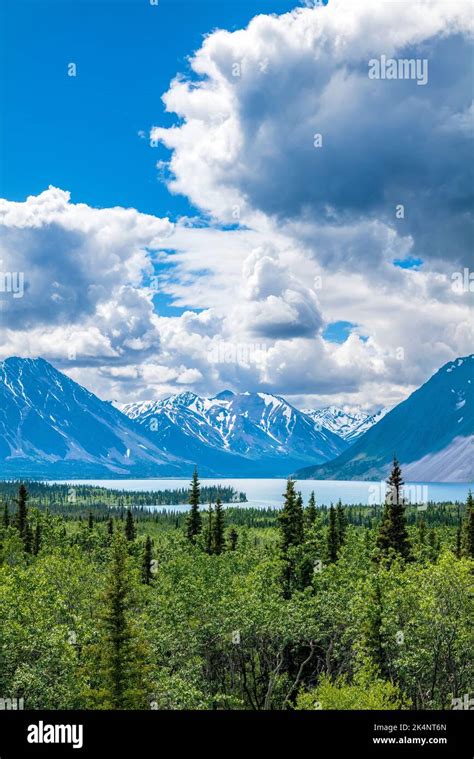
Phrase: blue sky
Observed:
(329, 264)
(82, 133)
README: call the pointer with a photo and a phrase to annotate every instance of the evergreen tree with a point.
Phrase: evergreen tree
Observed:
(333, 536)
(233, 538)
(341, 525)
(130, 531)
(395, 483)
(22, 517)
(393, 535)
(210, 531)
(90, 521)
(290, 518)
(290, 521)
(122, 668)
(110, 526)
(147, 574)
(299, 520)
(468, 529)
(421, 530)
(218, 535)
(434, 544)
(311, 512)
(194, 520)
(6, 515)
(458, 549)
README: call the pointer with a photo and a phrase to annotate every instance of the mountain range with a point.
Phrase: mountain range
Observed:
(52, 427)
(256, 433)
(431, 433)
(348, 424)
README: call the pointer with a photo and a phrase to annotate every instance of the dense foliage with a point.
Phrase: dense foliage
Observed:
(235, 608)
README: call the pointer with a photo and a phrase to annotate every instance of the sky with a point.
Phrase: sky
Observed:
(208, 195)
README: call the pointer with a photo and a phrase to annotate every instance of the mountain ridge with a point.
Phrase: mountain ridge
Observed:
(348, 424)
(434, 424)
(261, 427)
(51, 425)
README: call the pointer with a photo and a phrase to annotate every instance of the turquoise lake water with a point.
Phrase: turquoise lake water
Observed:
(268, 492)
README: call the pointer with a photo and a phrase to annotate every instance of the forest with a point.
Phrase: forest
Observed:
(109, 605)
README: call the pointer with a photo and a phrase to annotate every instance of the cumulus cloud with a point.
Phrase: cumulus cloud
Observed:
(279, 305)
(260, 95)
(281, 134)
(83, 270)
(74, 258)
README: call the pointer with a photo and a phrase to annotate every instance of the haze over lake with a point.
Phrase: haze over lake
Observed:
(268, 492)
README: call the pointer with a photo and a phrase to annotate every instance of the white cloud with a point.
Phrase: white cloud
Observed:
(84, 270)
(317, 228)
(245, 137)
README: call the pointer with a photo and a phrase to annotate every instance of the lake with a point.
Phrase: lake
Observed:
(268, 492)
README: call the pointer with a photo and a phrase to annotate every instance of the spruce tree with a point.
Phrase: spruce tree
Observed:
(333, 537)
(90, 521)
(22, 517)
(110, 526)
(468, 529)
(218, 532)
(147, 574)
(122, 667)
(233, 538)
(194, 521)
(458, 549)
(341, 525)
(210, 531)
(130, 531)
(421, 530)
(290, 518)
(299, 520)
(393, 535)
(311, 512)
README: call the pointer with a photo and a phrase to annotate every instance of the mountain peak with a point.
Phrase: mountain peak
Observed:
(21, 361)
(458, 362)
(185, 398)
(431, 433)
(51, 425)
(224, 395)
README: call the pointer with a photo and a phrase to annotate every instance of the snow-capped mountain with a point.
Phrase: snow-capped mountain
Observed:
(348, 423)
(263, 430)
(431, 433)
(51, 426)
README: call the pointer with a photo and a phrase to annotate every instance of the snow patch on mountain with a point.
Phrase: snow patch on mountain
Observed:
(259, 426)
(347, 422)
